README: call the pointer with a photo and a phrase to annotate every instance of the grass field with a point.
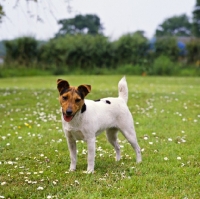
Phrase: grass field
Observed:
(34, 157)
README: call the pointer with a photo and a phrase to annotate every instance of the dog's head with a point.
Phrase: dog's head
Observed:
(71, 98)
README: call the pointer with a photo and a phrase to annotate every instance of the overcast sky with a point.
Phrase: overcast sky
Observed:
(117, 16)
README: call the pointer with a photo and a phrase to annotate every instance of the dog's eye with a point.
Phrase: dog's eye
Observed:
(64, 97)
(77, 100)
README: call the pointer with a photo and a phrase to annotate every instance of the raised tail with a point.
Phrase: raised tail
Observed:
(123, 89)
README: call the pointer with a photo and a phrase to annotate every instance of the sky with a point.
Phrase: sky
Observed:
(119, 17)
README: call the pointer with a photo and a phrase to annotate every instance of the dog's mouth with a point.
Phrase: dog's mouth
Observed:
(68, 118)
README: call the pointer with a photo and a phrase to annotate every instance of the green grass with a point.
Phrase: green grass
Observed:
(34, 158)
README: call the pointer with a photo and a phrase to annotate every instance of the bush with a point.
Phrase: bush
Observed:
(162, 66)
(131, 49)
(193, 51)
(167, 46)
(87, 54)
(129, 69)
(22, 51)
(21, 71)
(82, 51)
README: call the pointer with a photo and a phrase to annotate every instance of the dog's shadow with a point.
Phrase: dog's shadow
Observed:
(105, 165)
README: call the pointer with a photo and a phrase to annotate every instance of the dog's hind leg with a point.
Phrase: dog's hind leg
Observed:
(112, 138)
(130, 135)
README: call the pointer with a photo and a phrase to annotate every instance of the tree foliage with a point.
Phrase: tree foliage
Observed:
(175, 26)
(21, 50)
(167, 46)
(80, 24)
(83, 51)
(86, 51)
(193, 51)
(2, 13)
(196, 19)
(162, 65)
(131, 48)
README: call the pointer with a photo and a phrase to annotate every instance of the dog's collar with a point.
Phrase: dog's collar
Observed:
(83, 109)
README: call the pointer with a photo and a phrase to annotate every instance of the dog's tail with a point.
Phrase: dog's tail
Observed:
(123, 89)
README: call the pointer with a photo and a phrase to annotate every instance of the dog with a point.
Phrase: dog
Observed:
(84, 119)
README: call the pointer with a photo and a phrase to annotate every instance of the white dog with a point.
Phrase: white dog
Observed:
(84, 119)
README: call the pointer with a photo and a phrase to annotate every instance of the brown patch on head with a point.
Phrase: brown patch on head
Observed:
(71, 98)
(62, 84)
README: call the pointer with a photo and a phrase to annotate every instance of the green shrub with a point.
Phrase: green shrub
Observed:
(130, 49)
(129, 69)
(193, 51)
(87, 54)
(22, 50)
(167, 46)
(16, 71)
(162, 66)
(82, 51)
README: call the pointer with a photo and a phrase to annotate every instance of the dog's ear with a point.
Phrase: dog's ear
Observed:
(62, 84)
(84, 89)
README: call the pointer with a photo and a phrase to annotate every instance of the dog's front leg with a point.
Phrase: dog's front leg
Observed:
(91, 155)
(72, 149)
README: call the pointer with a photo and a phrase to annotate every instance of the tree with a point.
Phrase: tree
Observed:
(167, 46)
(175, 26)
(83, 24)
(40, 4)
(193, 51)
(22, 50)
(196, 19)
(131, 48)
(81, 50)
(1, 12)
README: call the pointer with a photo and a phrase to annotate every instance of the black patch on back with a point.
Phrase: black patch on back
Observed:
(98, 100)
(83, 109)
(108, 102)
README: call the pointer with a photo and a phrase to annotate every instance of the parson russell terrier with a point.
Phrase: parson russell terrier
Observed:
(84, 119)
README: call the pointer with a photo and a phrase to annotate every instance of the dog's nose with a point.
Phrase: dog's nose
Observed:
(69, 111)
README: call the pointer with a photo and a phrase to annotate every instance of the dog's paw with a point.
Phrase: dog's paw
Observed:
(118, 158)
(72, 169)
(139, 161)
(89, 171)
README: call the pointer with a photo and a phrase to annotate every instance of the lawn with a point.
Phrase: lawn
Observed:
(34, 158)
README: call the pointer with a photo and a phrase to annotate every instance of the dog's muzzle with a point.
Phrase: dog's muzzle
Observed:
(68, 116)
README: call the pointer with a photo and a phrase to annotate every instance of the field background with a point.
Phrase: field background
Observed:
(34, 157)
